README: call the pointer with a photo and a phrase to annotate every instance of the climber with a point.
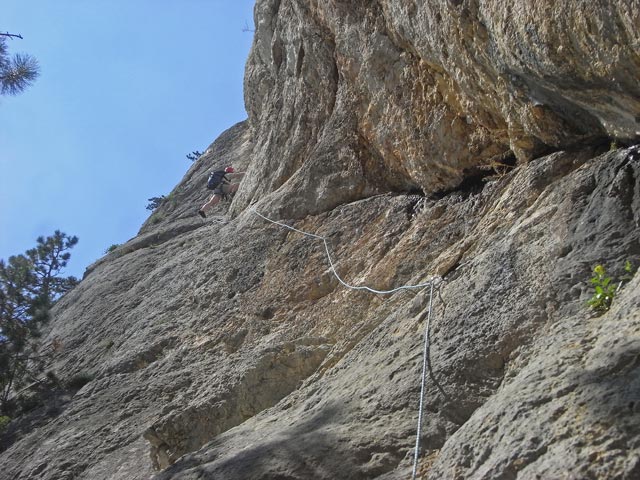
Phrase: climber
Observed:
(220, 182)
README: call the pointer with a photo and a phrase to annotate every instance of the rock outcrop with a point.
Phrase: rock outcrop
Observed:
(375, 96)
(485, 144)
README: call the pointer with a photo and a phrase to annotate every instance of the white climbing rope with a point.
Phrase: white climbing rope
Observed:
(425, 364)
(333, 268)
(425, 358)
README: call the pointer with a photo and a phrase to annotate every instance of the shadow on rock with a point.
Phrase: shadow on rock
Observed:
(308, 450)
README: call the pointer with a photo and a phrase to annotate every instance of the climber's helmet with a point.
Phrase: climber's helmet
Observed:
(229, 170)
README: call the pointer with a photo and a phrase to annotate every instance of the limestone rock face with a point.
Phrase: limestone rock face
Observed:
(461, 141)
(400, 95)
(526, 381)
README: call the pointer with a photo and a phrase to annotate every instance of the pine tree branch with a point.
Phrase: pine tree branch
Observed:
(11, 35)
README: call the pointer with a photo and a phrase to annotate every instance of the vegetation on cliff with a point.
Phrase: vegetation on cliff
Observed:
(30, 284)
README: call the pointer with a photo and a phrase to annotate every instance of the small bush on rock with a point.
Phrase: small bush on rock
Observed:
(4, 421)
(112, 248)
(156, 218)
(605, 288)
(195, 155)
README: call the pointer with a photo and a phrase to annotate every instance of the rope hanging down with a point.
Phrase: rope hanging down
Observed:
(425, 359)
(425, 365)
(333, 268)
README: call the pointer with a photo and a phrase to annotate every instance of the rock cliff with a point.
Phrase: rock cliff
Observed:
(489, 146)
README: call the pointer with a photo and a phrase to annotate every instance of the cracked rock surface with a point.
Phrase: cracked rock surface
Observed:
(470, 140)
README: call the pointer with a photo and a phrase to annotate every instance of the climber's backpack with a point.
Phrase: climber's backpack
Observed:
(215, 179)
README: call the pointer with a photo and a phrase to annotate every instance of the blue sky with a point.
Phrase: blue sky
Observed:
(127, 88)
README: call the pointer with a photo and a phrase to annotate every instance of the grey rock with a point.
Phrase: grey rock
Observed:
(518, 386)
(400, 95)
(458, 139)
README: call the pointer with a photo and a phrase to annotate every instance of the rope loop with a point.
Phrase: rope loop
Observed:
(332, 267)
(435, 282)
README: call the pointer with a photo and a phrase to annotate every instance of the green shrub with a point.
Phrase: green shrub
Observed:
(4, 421)
(156, 218)
(605, 288)
(171, 201)
(112, 248)
(195, 155)
(155, 202)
